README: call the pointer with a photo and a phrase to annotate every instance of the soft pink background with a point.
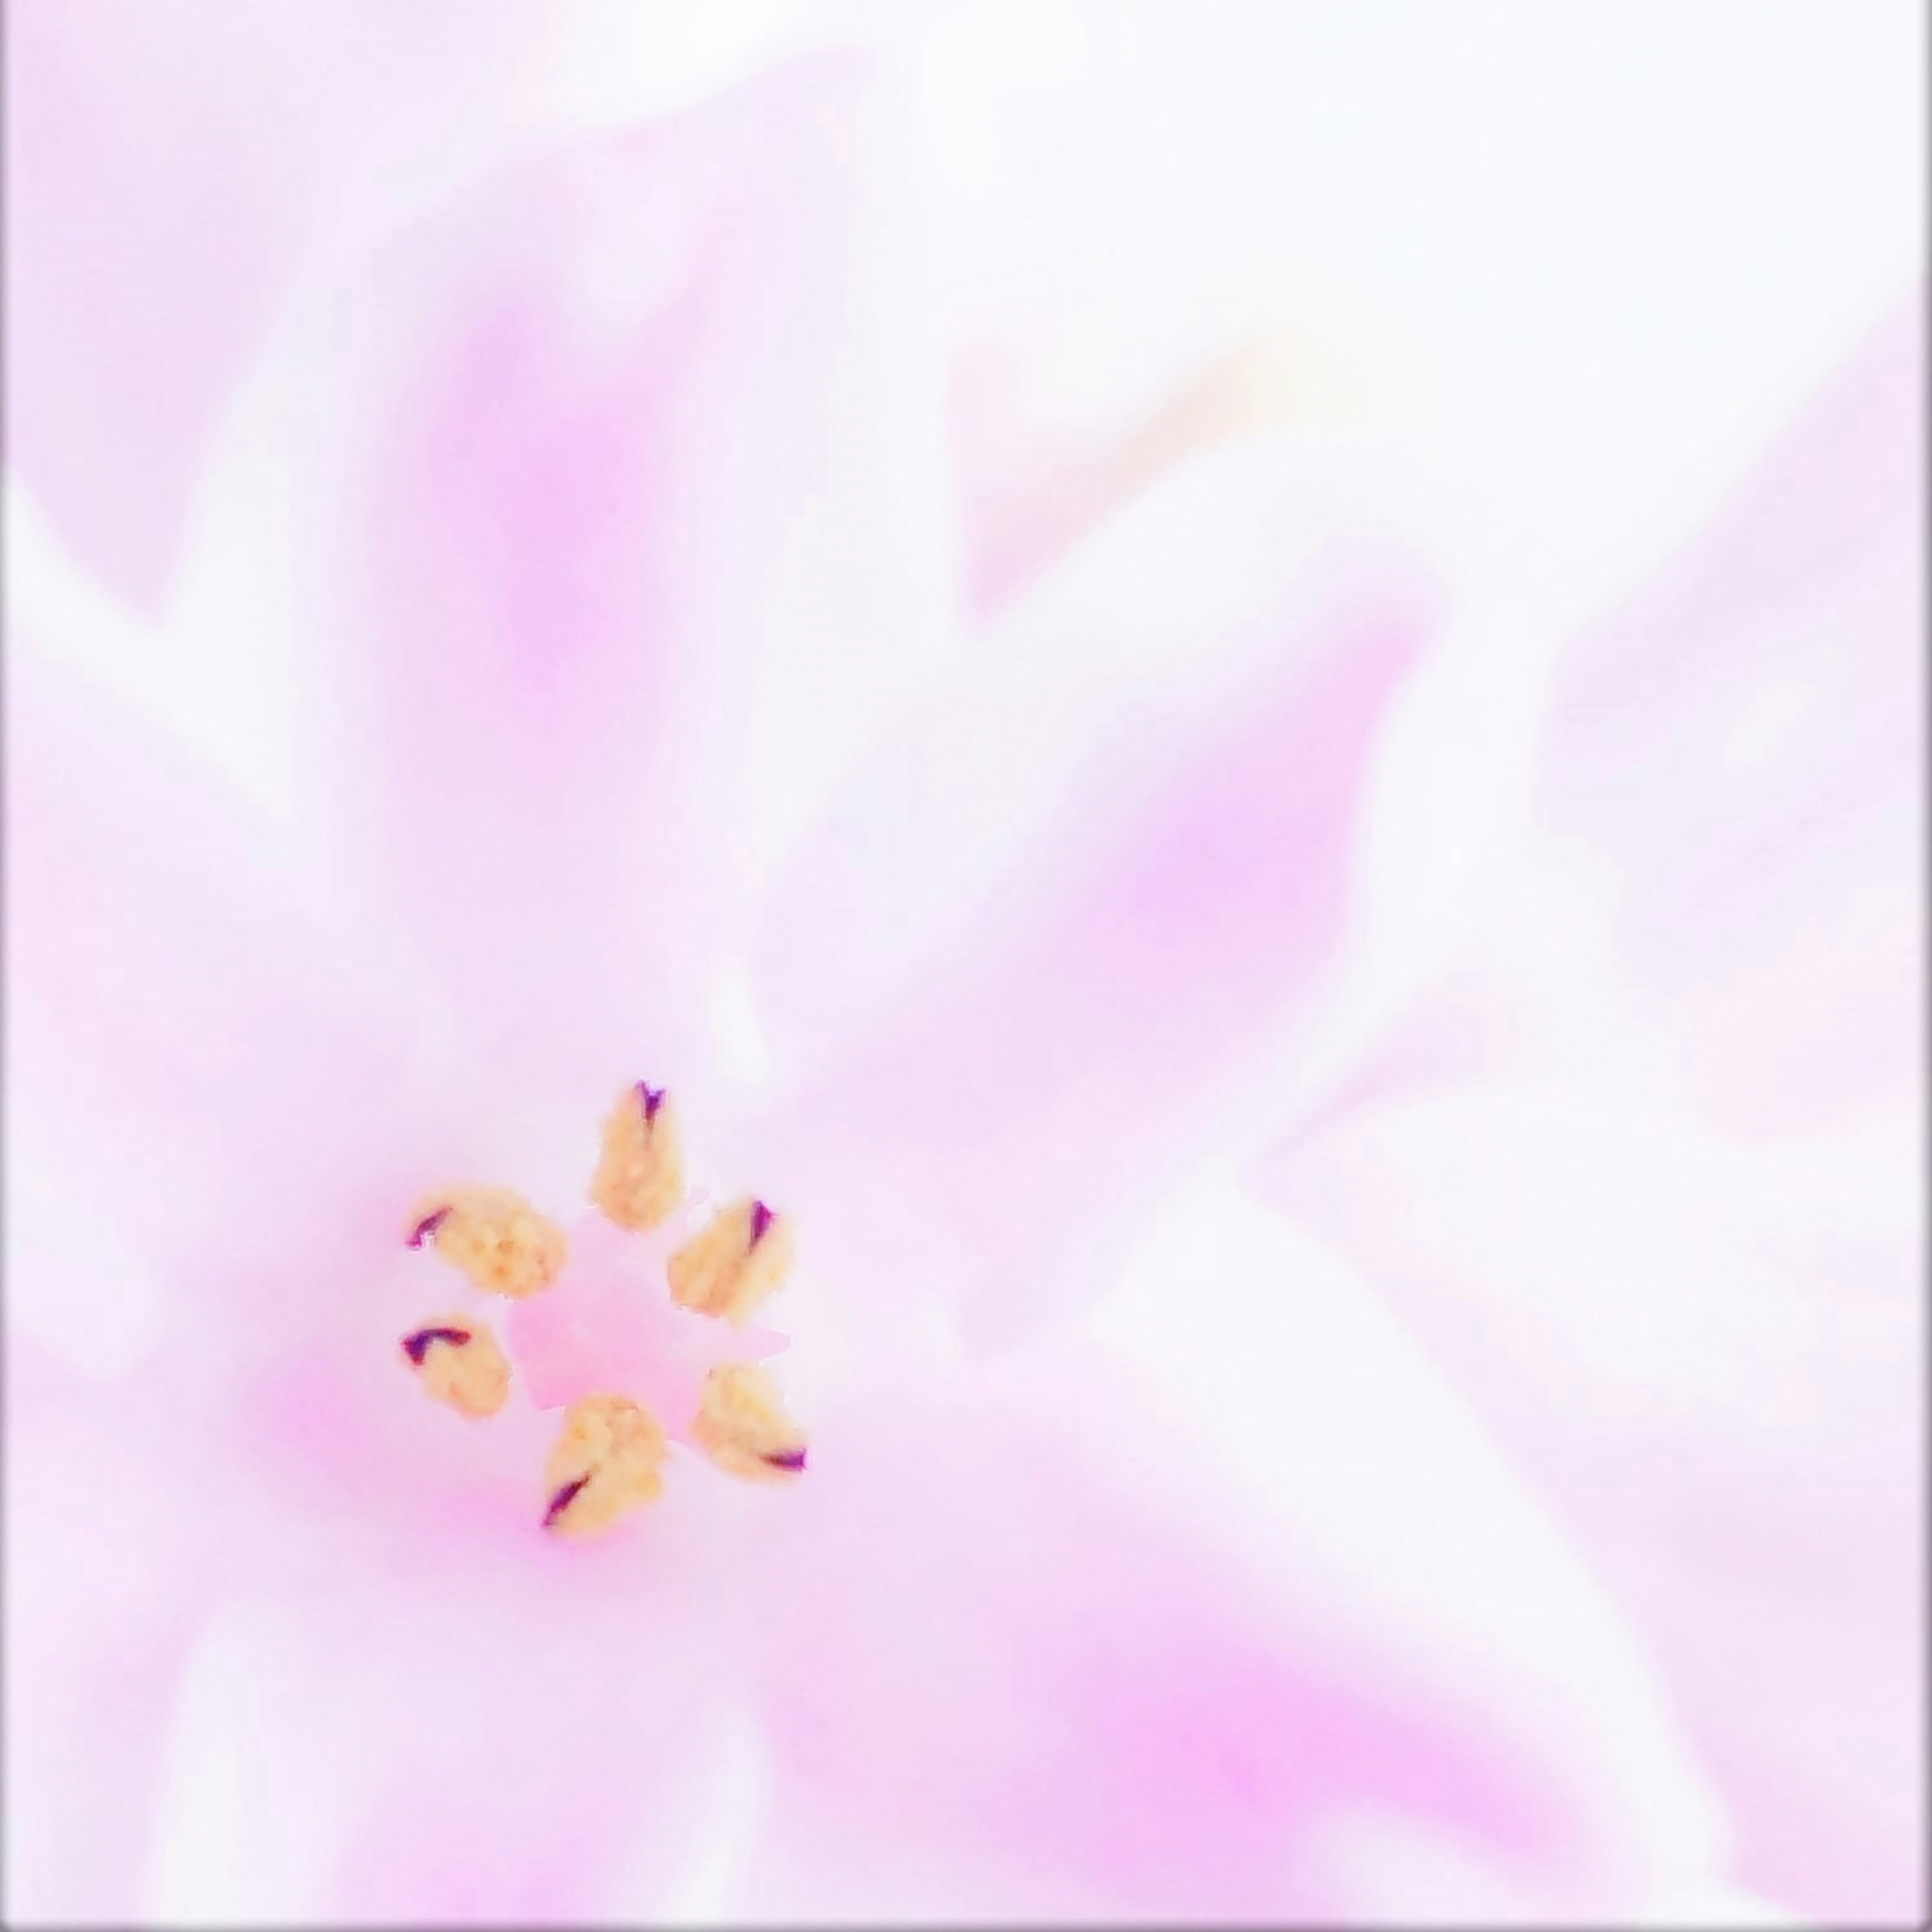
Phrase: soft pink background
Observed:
(1236, 691)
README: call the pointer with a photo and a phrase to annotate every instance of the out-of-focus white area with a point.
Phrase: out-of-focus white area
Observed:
(1585, 255)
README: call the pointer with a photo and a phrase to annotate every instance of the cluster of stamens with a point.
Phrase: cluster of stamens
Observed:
(609, 1460)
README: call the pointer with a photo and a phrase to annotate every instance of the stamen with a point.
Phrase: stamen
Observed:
(502, 1243)
(640, 1176)
(742, 1425)
(736, 1262)
(459, 1363)
(606, 1463)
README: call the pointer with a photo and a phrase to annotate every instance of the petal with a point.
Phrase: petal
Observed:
(327, 1668)
(169, 175)
(1078, 916)
(213, 1092)
(485, 1748)
(585, 417)
(1707, 1353)
(1177, 1618)
(1715, 925)
(1720, 907)
(1040, 470)
(107, 1581)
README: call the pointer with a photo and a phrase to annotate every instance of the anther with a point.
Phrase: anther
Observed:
(606, 1462)
(640, 1176)
(742, 1425)
(458, 1362)
(496, 1237)
(733, 1263)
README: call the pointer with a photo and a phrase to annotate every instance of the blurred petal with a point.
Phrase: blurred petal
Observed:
(577, 422)
(1178, 1626)
(357, 1683)
(1716, 923)
(489, 1745)
(168, 172)
(1075, 917)
(107, 1583)
(1036, 478)
(209, 1089)
(1719, 908)
(1709, 1355)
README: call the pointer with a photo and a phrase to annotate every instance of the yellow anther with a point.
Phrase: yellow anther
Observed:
(640, 1176)
(734, 1262)
(742, 1427)
(606, 1462)
(495, 1236)
(457, 1361)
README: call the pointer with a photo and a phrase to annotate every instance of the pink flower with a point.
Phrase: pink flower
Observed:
(1147, 1564)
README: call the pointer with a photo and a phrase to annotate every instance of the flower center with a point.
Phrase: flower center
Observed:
(610, 1458)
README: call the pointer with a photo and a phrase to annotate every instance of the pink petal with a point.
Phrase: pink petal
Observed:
(415, 1715)
(216, 1088)
(1036, 1660)
(1716, 925)
(108, 1579)
(332, 1670)
(168, 173)
(1067, 926)
(1731, 806)
(577, 421)
(1706, 1354)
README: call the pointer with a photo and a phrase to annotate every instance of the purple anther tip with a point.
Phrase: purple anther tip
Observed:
(786, 1459)
(418, 1344)
(762, 1218)
(427, 1226)
(652, 1098)
(563, 1500)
